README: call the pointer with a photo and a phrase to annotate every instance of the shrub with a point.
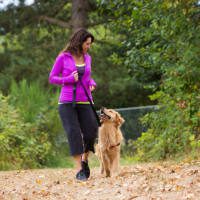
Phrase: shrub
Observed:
(21, 145)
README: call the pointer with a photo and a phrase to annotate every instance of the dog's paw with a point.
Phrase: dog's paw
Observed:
(108, 173)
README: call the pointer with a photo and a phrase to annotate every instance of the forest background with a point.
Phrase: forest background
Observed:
(145, 52)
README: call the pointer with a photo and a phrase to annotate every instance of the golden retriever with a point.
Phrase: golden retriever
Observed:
(109, 141)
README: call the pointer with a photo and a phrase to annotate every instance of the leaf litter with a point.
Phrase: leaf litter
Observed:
(148, 181)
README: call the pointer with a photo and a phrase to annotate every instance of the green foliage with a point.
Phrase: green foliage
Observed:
(35, 138)
(115, 86)
(29, 99)
(161, 50)
(22, 145)
(29, 55)
(175, 128)
(37, 108)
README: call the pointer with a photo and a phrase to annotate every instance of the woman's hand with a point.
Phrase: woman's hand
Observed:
(75, 73)
(92, 88)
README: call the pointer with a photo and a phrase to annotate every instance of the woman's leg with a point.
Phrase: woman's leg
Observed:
(77, 161)
(71, 124)
(85, 156)
(89, 128)
(69, 119)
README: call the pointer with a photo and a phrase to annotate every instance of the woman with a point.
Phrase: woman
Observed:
(72, 65)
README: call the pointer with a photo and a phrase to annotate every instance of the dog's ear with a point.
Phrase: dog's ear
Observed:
(119, 120)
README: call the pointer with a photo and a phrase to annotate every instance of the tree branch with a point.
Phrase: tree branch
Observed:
(55, 21)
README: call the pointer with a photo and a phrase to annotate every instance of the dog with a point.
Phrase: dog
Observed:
(109, 141)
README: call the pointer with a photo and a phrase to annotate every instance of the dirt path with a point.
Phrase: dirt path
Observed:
(136, 182)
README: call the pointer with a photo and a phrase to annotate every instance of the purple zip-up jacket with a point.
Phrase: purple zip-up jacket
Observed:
(61, 74)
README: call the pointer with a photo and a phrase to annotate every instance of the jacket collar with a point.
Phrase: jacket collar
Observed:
(86, 55)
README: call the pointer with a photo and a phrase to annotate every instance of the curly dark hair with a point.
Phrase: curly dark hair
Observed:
(77, 40)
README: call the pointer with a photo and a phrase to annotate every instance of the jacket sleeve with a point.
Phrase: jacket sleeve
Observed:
(92, 82)
(54, 76)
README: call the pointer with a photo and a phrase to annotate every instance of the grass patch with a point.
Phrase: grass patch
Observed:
(66, 161)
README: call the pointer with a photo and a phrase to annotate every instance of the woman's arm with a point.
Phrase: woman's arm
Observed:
(54, 76)
(92, 83)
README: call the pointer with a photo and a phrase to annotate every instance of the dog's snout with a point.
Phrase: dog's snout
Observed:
(102, 109)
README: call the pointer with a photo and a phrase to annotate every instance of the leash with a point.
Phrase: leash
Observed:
(74, 96)
(91, 104)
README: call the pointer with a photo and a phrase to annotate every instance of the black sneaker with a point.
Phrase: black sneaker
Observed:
(85, 168)
(81, 176)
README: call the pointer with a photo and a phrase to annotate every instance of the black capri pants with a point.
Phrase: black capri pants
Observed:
(80, 126)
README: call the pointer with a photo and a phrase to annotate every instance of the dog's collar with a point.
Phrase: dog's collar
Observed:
(114, 145)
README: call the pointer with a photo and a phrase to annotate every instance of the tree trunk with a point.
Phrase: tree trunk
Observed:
(79, 14)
